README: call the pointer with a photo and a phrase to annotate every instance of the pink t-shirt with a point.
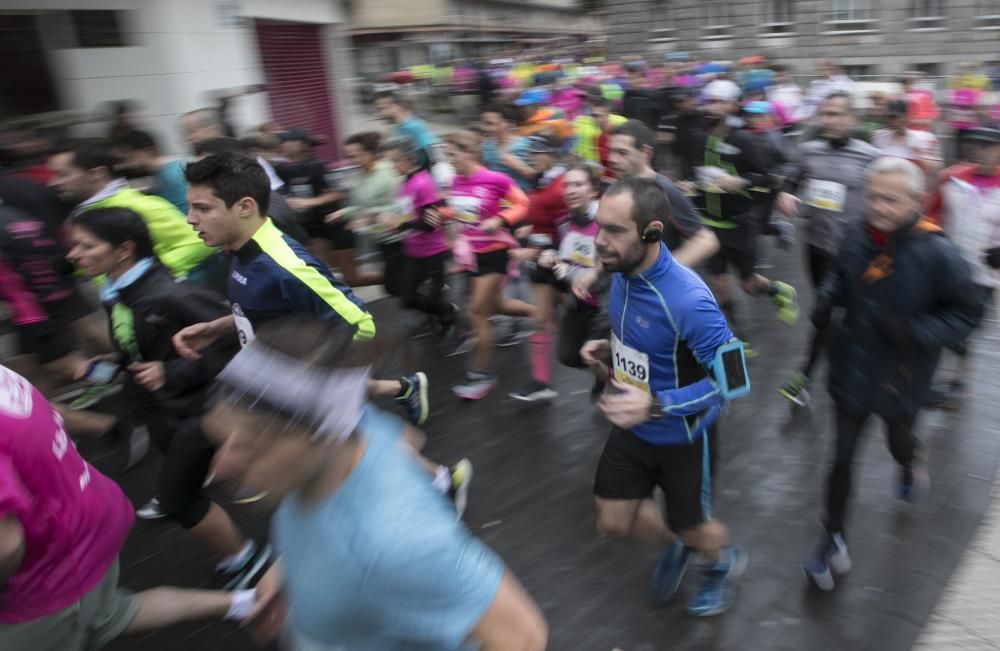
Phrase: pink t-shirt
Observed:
(415, 194)
(75, 519)
(476, 198)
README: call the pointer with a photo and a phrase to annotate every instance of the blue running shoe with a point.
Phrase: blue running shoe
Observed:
(414, 398)
(914, 482)
(670, 570)
(830, 560)
(718, 584)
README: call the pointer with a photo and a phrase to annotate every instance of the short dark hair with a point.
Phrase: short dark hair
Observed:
(394, 98)
(640, 134)
(367, 140)
(841, 94)
(405, 146)
(649, 201)
(116, 226)
(136, 140)
(89, 153)
(219, 145)
(598, 100)
(779, 67)
(508, 112)
(232, 176)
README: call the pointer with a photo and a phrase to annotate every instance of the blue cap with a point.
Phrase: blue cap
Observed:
(758, 107)
(532, 96)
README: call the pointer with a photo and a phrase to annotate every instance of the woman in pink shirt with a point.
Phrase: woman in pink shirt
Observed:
(62, 526)
(417, 209)
(488, 205)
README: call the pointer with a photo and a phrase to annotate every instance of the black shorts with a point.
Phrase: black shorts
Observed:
(737, 247)
(630, 468)
(340, 236)
(545, 276)
(492, 262)
(53, 339)
(48, 340)
(70, 309)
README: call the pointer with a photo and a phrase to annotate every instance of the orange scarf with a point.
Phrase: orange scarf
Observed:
(882, 265)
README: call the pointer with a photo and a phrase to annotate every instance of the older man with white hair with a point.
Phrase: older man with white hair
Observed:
(906, 293)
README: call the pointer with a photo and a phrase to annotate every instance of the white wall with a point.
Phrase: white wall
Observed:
(184, 50)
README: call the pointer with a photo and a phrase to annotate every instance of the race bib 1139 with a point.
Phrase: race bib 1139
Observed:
(631, 366)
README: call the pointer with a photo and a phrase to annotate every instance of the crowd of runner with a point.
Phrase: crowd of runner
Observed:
(596, 211)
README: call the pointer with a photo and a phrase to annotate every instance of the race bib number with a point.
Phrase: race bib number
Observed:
(403, 208)
(578, 249)
(631, 366)
(244, 329)
(826, 195)
(466, 209)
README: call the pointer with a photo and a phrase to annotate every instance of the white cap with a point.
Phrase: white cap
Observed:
(722, 89)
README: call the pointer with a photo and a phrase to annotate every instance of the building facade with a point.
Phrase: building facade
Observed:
(390, 35)
(76, 56)
(869, 37)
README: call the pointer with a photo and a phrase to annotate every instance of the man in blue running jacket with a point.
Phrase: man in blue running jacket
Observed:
(663, 399)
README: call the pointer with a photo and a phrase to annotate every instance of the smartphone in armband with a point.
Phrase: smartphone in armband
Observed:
(101, 372)
(730, 370)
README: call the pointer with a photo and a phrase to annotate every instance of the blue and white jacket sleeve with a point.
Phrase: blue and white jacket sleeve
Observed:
(703, 327)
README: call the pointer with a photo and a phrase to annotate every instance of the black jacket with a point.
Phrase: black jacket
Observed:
(738, 154)
(900, 310)
(160, 307)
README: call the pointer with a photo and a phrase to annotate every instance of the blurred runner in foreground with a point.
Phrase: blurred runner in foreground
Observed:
(371, 556)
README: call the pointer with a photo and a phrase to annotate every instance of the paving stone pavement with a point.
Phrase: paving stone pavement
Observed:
(967, 617)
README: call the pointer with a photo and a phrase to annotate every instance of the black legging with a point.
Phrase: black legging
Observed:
(902, 445)
(415, 272)
(187, 457)
(392, 266)
(574, 331)
(820, 262)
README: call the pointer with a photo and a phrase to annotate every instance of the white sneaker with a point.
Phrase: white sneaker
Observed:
(151, 510)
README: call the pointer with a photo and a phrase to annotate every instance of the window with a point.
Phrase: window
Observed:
(850, 16)
(927, 14)
(850, 10)
(988, 14)
(662, 21)
(859, 72)
(715, 19)
(97, 28)
(778, 17)
(927, 9)
(777, 11)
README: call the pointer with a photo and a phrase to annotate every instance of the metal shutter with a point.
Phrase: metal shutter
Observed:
(294, 61)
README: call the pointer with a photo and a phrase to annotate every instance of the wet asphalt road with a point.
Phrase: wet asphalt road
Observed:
(531, 501)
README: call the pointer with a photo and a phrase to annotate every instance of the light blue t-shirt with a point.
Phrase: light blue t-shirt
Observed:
(382, 564)
(416, 130)
(491, 159)
(171, 185)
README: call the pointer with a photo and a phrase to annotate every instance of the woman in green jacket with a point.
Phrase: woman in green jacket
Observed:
(373, 196)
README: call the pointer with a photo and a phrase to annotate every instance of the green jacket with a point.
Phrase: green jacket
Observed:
(175, 243)
(588, 132)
